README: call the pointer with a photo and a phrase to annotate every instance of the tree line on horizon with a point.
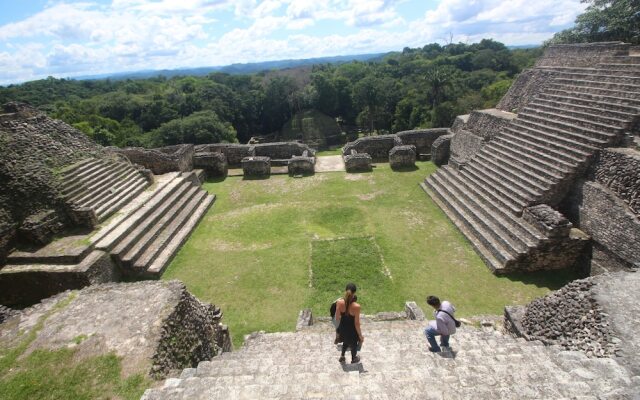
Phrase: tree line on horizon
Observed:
(416, 88)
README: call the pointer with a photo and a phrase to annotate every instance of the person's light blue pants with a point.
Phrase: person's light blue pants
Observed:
(431, 334)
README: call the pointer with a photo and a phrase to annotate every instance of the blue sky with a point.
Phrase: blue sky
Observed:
(40, 38)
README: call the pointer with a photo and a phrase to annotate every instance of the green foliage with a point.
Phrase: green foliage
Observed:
(199, 127)
(418, 87)
(604, 20)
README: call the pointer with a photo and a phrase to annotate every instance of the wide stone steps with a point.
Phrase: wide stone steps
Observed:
(102, 185)
(534, 158)
(573, 123)
(590, 112)
(395, 364)
(605, 103)
(475, 230)
(144, 242)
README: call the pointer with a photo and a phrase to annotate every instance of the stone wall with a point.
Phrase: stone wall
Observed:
(607, 219)
(161, 160)
(488, 123)
(33, 147)
(440, 150)
(276, 151)
(618, 169)
(581, 54)
(214, 164)
(422, 138)
(464, 145)
(527, 85)
(378, 147)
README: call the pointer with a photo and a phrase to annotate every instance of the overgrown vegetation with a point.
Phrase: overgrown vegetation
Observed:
(602, 21)
(62, 373)
(253, 252)
(418, 87)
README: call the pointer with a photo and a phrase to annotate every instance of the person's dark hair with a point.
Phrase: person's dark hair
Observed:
(349, 294)
(433, 301)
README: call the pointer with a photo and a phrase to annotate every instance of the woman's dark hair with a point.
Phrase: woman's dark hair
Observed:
(433, 301)
(349, 294)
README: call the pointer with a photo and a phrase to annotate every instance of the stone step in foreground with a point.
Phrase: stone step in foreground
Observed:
(395, 363)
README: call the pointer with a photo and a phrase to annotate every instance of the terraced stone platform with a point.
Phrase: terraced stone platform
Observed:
(535, 159)
(102, 185)
(139, 239)
(395, 364)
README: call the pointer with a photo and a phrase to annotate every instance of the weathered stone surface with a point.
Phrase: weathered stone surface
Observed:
(464, 145)
(6, 313)
(619, 170)
(357, 162)
(571, 252)
(279, 152)
(32, 147)
(482, 364)
(460, 123)
(234, 152)
(488, 123)
(581, 54)
(422, 139)
(548, 221)
(528, 84)
(282, 150)
(40, 228)
(402, 156)
(378, 147)
(214, 164)
(161, 160)
(154, 326)
(305, 319)
(596, 210)
(440, 150)
(413, 311)
(256, 166)
(301, 165)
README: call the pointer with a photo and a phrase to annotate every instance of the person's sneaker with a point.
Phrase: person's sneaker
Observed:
(342, 360)
(431, 349)
(355, 360)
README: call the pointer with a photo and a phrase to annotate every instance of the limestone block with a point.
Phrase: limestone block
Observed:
(301, 165)
(40, 227)
(402, 156)
(413, 311)
(377, 147)
(464, 145)
(422, 139)
(214, 164)
(305, 319)
(358, 162)
(547, 220)
(440, 150)
(256, 166)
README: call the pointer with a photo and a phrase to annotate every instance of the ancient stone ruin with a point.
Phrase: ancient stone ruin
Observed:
(564, 138)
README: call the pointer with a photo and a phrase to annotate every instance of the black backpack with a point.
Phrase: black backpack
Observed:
(332, 309)
(458, 323)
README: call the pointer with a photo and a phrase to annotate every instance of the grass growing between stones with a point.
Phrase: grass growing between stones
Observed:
(61, 373)
(253, 252)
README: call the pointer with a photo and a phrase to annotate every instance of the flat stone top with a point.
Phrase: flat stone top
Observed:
(125, 318)
(256, 159)
(497, 113)
(464, 117)
(618, 294)
(72, 246)
(627, 151)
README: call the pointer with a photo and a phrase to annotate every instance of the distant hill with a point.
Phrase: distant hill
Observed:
(236, 69)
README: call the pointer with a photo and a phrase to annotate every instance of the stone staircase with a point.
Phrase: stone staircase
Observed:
(102, 185)
(536, 158)
(395, 364)
(144, 242)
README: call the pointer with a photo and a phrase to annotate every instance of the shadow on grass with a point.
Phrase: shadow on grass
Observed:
(215, 179)
(552, 280)
(405, 169)
(255, 177)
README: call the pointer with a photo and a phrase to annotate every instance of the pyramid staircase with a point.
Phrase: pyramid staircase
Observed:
(144, 242)
(536, 157)
(395, 364)
(102, 185)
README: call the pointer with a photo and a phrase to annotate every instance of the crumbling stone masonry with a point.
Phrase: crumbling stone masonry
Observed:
(161, 160)
(402, 156)
(214, 164)
(301, 165)
(378, 147)
(357, 162)
(256, 166)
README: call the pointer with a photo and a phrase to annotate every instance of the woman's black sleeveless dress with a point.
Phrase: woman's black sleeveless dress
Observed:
(347, 329)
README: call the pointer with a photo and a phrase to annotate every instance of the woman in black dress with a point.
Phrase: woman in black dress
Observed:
(348, 319)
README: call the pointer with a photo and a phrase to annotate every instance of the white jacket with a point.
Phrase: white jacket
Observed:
(443, 323)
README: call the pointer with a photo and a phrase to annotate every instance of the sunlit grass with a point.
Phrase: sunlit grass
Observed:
(254, 250)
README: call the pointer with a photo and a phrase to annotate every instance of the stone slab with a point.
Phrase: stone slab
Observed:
(330, 164)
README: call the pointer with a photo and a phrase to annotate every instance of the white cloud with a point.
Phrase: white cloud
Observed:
(84, 38)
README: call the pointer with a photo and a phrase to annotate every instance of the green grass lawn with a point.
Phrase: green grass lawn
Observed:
(268, 248)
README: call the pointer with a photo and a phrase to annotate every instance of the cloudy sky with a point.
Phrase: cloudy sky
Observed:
(40, 38)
